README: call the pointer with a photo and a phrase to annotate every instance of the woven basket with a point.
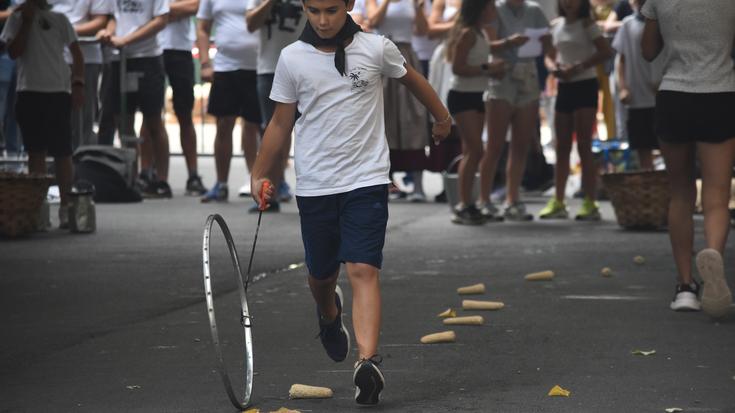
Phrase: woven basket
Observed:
(640, 199)
(21, 197)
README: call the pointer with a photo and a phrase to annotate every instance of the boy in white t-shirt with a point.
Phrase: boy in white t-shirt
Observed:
(133, 31)
(36, 37)
(87, 17)
(333, 75)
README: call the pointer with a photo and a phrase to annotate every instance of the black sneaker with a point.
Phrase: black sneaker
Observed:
(194, 186)
(334, 336)
(369, 381)
(468, 215)
(686, 297)
(158, 190)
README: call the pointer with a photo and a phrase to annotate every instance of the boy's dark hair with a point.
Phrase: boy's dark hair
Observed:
(585, 10)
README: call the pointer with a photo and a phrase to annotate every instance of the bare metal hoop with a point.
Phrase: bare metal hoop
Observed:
(245, 318)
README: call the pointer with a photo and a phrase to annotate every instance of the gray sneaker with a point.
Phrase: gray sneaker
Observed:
(517, 212)
(489, 212)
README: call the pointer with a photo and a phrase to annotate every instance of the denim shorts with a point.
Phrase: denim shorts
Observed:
(346, 227)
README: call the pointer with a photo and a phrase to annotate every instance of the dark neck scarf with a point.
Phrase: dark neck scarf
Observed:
(347, 31)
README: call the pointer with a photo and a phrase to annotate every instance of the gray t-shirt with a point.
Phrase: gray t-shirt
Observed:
(641, 76)
(515, 20)
(699, 38)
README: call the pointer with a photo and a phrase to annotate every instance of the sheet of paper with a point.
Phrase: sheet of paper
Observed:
(532, 48)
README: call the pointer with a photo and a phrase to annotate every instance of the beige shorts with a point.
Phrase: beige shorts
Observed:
(518, 87)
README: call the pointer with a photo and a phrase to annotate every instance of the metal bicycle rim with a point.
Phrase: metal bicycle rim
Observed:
(245, 318)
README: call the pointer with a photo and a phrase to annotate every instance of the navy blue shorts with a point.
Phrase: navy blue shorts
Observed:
(346, 227)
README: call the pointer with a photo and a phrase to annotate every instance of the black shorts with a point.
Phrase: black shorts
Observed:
(458, 102)
(695, 117)
(345, 227)
(179, 66)
(641, 133)
(45, 122)
(235, 94)
(576, 95)
(151, 83)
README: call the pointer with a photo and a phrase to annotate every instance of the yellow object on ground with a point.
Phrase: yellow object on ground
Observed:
(302, 391)
(481, 305)
(447, 313)
(606, 272)
(558, 391)
(473, 320)
(472, 289)
(443, 337)
(540, 276)
(638, 259)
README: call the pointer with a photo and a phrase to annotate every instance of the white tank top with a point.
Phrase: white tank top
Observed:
(477, 55)
(398, 22)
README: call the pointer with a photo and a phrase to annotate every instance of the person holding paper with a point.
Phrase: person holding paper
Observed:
(578, 46)
(512, 101)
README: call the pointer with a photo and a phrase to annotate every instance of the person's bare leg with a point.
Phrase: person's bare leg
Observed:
(716, 162)
(366, 311)
(564, 124)
(188, 139)
(524, 121)
(223, 146)
(64, 176)
(159, 141)
(469, 125)
(584, 120)
(680, 166)
(645, 159)
(323, 293)
(250, 133)
(498, 114)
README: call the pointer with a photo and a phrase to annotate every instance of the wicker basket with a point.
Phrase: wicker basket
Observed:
(640, 199)
(21, 197)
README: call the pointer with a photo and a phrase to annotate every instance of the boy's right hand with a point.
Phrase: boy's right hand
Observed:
(262, 192)
(517, 40)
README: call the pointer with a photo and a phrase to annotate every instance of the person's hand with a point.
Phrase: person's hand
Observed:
(118, 42)
(104, 36)
(566, 72)
(207, 72)
(440, 130)
(624, 95)
(496, 68)
(77, 96)
(262, 192)
(517, 40)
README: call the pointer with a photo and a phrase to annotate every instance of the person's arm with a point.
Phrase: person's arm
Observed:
(182, 8)
(420, 87)
(155, 25)
(603, 52)
(514, 40)
(96, 23)
(623, 91)
(460, 66)
(437, 26)
(612, 23)
(376, 14)
(420, 24)
(204, 28)
(77, 75)
(277, 139)
(17, 45)
(652, 42)
(256, 18)
(4, 14)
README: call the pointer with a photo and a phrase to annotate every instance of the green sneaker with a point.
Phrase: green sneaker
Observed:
(554, 209)
(589, 211)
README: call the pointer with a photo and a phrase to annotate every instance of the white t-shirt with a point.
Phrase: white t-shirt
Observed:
(41, 67)
(574, 44)
(340, 142)
(398, 22)
(641, 76)
(237, 49)
(132, 15)
(79, 11)
(422, 45)
(283, 27)
(699, 39)
(178, 35)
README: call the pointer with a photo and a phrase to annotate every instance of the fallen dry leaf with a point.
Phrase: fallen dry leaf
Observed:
(558, 391)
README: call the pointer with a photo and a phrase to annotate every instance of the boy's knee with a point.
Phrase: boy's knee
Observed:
(362, 271)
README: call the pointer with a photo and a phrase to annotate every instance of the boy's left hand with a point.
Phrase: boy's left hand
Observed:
(77, 96)
(440, 130)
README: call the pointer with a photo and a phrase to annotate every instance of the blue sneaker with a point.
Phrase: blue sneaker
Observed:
(334, 336)
(218, 193)
(284, 192)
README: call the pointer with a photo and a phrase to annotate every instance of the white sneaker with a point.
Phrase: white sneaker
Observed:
(716, 295)
(244, 190)
(685, 298)
(416, 197)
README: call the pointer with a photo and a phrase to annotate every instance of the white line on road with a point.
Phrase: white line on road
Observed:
(605, 297)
